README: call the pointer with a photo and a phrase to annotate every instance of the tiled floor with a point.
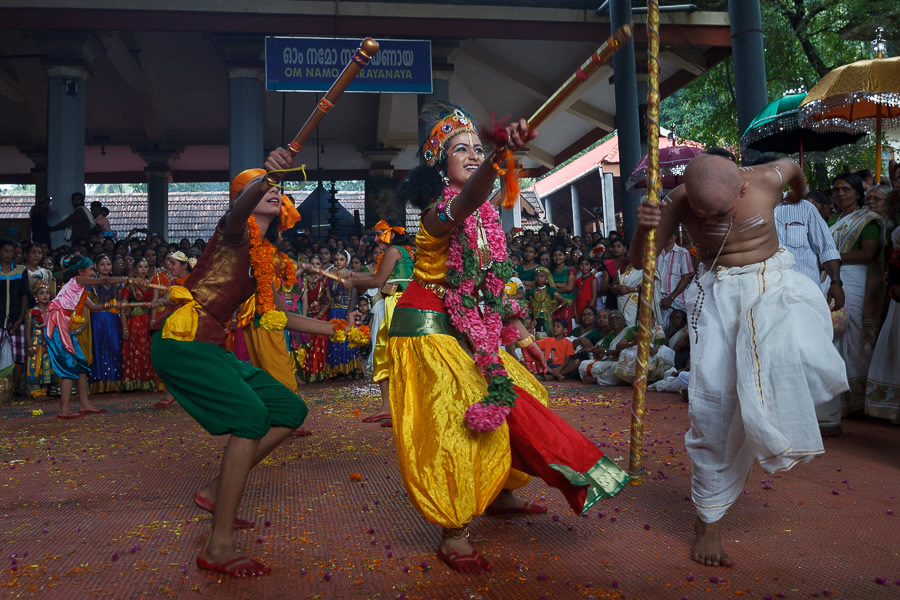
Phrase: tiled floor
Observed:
(100, 508)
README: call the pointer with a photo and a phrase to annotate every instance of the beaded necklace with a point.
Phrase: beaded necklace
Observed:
(701, 294)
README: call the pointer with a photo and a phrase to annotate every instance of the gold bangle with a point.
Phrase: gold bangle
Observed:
(525, 342)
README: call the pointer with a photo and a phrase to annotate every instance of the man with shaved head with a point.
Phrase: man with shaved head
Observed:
(761, 354)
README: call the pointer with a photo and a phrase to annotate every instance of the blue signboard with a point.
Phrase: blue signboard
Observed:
(301, 64)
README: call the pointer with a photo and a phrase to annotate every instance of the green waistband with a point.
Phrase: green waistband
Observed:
(412, 322)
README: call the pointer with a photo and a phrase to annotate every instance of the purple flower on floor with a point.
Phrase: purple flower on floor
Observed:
(690, 577)
(327, 577)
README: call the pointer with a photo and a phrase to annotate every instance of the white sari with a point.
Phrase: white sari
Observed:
(630, 303)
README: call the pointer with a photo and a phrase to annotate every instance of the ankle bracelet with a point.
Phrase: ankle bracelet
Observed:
(457, 533)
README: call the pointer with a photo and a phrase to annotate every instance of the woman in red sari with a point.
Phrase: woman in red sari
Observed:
(137, 370)
(316, 302)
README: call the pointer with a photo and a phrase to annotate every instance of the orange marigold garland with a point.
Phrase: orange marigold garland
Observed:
(77, 319)
(340, 334)
(262, 254)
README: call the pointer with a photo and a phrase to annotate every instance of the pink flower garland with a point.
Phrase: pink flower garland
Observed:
(484, 330)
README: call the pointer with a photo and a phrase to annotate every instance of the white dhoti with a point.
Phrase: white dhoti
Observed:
(603, 371)
(883, 384)
(763, 358)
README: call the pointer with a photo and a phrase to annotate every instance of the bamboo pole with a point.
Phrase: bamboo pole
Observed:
(645, 315)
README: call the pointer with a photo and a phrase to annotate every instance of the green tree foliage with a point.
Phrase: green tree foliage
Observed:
(804, 39)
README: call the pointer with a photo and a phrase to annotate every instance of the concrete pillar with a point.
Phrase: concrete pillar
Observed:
(576, 210)
(159, 175)
(749, 60)
(548, 209)
(380, 202)
(39, 172)
(65, 139)
(642, 109)
(627, 119)
(246, 93)
(158, 179)
(511, 218)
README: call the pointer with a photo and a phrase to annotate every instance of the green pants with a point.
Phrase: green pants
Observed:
(224, 394)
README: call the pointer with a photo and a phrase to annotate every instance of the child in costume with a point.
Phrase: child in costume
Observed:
(316, 301)
(340, 358)
(137, 369)
(66, 316)
(41, 379)
(224, 395)
(106, 332)
(543, 299)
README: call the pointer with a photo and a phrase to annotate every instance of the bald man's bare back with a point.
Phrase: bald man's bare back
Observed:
(743, 233)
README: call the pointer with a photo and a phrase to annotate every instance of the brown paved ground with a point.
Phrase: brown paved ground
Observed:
(100, 508)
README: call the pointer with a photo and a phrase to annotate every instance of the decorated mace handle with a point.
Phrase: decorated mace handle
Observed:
(367, 49)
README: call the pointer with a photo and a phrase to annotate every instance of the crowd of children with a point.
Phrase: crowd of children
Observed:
(567, 284)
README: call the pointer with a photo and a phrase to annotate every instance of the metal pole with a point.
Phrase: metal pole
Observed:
(749, 60)
(627, 120)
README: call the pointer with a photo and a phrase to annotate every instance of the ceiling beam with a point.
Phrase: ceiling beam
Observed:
(358, 18)
(580, 144)
(23, 87)
(134, 77)
(593, 115)
(539, 90)
(11, 88)
(680, 60)
(540, 156)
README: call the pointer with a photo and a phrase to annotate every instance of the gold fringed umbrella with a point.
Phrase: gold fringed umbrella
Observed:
(866, 91)
(645, 314)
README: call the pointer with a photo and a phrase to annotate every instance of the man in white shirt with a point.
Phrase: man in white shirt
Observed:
(805, 235)
(676, 270)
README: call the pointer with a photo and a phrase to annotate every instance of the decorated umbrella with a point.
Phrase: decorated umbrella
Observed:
(672, 163)
(777, 128)
(866, 92)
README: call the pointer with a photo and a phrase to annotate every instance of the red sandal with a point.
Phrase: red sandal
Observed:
(241, 566)
(529, 508)
(471, 564)
(208, 505)
(376, 418)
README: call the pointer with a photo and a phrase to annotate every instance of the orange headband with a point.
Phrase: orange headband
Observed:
(289, 215)
(386, 230)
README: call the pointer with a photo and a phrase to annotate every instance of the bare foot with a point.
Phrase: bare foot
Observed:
(461, 556)
(88, 407)
(507, 502)
(707, 548)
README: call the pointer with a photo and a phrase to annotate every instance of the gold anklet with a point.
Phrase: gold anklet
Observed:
(457, 533)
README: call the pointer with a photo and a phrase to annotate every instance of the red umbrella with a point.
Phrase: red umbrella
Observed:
(672, 163)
